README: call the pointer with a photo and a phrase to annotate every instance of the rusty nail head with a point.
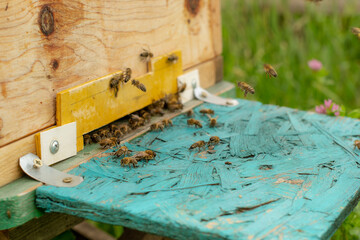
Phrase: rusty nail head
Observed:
(67, 180)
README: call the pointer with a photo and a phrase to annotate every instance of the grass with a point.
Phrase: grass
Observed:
(258, 32)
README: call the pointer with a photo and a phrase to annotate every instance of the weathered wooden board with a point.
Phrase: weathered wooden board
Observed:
(18, 197)
(294, 175)
(48, 46)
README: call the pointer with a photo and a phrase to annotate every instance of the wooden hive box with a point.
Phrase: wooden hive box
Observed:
(50, 46)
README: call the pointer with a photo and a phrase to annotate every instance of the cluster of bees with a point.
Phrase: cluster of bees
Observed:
(134, 159)
(197, 123)
(125, 76)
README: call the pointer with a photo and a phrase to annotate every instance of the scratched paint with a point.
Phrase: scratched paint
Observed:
(294, 175)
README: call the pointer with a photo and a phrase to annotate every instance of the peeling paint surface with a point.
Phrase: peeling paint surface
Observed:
(294, 175)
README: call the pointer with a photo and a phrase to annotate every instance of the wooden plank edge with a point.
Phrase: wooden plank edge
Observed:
(26, 197)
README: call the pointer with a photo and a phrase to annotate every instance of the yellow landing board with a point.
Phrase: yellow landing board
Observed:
(93, 104)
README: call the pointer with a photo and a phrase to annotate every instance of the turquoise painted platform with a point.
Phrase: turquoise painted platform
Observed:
(294, 175)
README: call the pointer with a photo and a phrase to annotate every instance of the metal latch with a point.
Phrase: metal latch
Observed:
(33, 166)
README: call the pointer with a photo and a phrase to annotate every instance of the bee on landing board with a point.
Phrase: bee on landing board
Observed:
(139, 85)
(145, 155)
(213, 121)
(129, 161)
(270, 71)
(214, 140)
(190, 113)
(246, 88)
(167, 122)
(146, 55)
(194, 122)
(123, 150)
(198, 144)
(157, 126)
(207, 111)
(357, 144)
(108, 142)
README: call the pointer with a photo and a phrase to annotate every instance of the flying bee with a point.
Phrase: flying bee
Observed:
(198, 144)
(167, 122)
(129, 161)
(139, 85)
(190, 113)
(146, 55)
(87, 139)
(214, 140)
(356, 31)
(270, 71)
(172, 58)
(207, 111)
(182, 88)
(115, 81)
(96, 138)
(246, 88)
(123, 150)
(213, 121)
(157, 126)
(108, 143)
(357, 144)
(127, 75)
(195, 122)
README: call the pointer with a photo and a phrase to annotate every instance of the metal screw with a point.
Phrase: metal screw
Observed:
(37, 163)
(54, 146)
(67, 180)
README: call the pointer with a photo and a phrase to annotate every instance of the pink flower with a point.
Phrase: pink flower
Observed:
(315, 65)
(320, 109)
(327, 103)
(335, 107)
(337, 113)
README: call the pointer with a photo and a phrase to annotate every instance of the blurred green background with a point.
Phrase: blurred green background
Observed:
(287, 34)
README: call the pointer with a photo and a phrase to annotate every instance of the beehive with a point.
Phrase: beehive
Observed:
(51, 46)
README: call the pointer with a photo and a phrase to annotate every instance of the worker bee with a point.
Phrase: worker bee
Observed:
(113, 127)
(356, 31)
(246, 88)
(139, 85)
(228, 163)
(207, 111)
(270, 71)
(357, 144)
(136, 121)
(157, 126)
(87, 139)
(214, 140)
(127, 75)
(124, 128)
(96, 138)
(146, 55)
(175, 106)
(195, 122)
(123, 150)
(213, 121)
(182, 88)
(145, 115)
(117, 133)
(167, 122)
(115, 81)
(172, 58)
(108, 142)
(104, 133)
(198, 144)
(129, 161)
(190, 113)
(145, 155)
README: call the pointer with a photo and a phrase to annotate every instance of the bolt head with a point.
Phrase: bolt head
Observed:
(54, 146)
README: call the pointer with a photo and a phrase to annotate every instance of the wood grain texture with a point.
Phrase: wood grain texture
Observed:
(89, 39)
(294, 175)
(18, 197)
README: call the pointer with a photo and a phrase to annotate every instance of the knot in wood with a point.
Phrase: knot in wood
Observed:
(46, 20)
(193, 6)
